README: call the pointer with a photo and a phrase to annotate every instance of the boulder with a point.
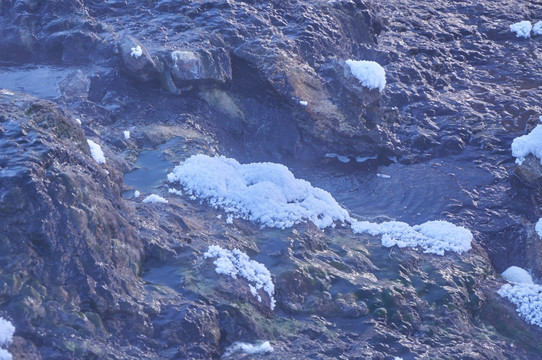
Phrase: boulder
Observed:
(201, 65)
(137, 61)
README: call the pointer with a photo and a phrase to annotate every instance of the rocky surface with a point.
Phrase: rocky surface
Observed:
(89, 271)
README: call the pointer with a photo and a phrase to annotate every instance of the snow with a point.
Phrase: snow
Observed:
(262, 348)
(78, 121)
(126, 134)
(153, 198)
(342, 158)
(538, 227)
(522, 29)
(528, 300)
(265, 193)
(434, 237)
(537, 28)
(303, 103)
(176, 192)
(369, 73)
(383, 176)
(6, 336)
(528, 144)
(96, 152)
(137, 193)
(362, 159)
(515, 274)
(136, 52)
(236, 262)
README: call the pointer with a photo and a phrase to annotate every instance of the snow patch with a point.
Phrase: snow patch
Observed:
(515, 274)
(538, 227)
(6, 337)
(528, 300)
(153, 198)
(247, 348)
(528, 144)
(78, 121)
(369, 73)
(136, 52)
(303, 103)
(266, 193)
(342, 158)
(176, 192)
(383, 176)
(537, 28)
(126, 134)
(522, 29)
(137, 193)
(235, 263)
(96, 152)
(434, 237)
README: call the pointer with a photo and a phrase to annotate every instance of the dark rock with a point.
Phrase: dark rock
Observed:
(136, 59)
(200, 66)
(76, 84)
(530, 172)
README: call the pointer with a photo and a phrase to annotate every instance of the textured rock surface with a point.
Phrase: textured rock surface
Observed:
(89, 271)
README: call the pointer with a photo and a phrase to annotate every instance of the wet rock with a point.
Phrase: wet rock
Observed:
(76, 84)
(136, 59)
(530, 172)
(200, 66)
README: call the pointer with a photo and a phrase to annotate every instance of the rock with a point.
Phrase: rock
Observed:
(200, 66)
(76, 84)
(530, 172)
(137, 61)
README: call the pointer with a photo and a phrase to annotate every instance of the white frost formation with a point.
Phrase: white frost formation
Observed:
(263, 348)
(522, 29)
(96, 152)
(136, 52)
(528, 144)
(369, 73)
(528, 300)
(537, 28)
(266, 193)
(126, 134)
(6, 337)
(433, 236)
(153, 198)
(235, 263)
(515, 274)
(538, 227)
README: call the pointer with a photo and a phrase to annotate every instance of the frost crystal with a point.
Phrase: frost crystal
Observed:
(6, 336)
(136, 51)
(433, 236)
(247, 348)
(528, 144)
(266, 193)
(236, 262)
(522, 29)
(153, 198)
(528, 301)
(96, 152)
(369, 73)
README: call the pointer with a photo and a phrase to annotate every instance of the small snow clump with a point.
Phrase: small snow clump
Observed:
(528, 300)
(153, 198)
(522, 29)
(262, 348)
(266, 193)
(96, 152)
(78, 121)
(303, 103)
(176, 192)
(515, 274)
(136, 52)
(137, 193)
(434, 237)
(369, 73)
(6, 337)
(537, 28)
(235, 263)
(528, 144)
(126, 134)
